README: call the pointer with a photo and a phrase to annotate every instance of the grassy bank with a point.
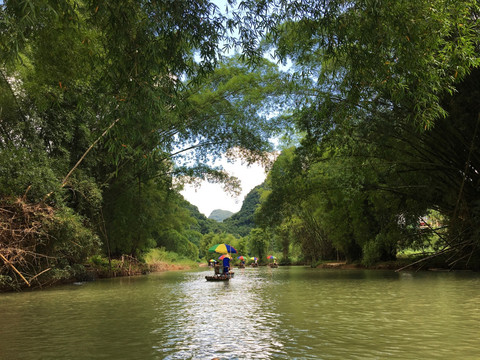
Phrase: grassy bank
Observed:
(161, 260)
(155, 260)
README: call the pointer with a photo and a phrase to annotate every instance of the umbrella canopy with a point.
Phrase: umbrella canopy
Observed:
(271, 257)
(222, 249)
(213, 260)
(253, 258)
(221, 257)
(241, 257)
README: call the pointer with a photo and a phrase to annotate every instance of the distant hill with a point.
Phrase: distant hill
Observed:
(202, 224)
(220, 215)
(242, 222)
(238, 224)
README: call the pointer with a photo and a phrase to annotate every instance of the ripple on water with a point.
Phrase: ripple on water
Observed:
(285, 313)
(226, 320)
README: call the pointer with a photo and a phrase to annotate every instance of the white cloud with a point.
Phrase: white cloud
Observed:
(209, 197)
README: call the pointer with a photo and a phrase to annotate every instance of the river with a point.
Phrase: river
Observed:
(263, 313)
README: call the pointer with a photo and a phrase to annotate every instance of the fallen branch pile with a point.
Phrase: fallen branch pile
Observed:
(23, 243)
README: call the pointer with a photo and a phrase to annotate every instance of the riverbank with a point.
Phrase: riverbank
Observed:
(100, 267)
(398, 265)
(380, 266)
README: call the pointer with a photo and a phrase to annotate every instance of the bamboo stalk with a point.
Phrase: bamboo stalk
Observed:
(40, 273)
(14, 269)
(424, 259)
(467, 164)
(64, 181)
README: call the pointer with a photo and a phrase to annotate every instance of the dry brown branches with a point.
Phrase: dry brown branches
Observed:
(23, 241)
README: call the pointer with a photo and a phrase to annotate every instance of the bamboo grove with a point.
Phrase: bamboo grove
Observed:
(108, 107)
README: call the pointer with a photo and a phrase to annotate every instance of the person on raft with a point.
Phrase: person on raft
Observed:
(226, 265)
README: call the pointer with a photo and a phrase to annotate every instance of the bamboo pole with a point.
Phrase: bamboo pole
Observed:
(467, 164)
(7, 262)
(40, 273)
(64, 181)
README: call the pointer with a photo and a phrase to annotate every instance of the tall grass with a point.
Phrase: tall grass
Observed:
(159, 259)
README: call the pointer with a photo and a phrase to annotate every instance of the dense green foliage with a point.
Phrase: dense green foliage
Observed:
(391, 127)
(106, 108)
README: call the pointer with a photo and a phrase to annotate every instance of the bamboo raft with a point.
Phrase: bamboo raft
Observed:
(220, 277)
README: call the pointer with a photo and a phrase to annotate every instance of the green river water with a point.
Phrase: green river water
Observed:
(263, 313)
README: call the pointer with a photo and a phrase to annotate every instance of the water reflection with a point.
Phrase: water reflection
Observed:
(219, 319)
(284, 313)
